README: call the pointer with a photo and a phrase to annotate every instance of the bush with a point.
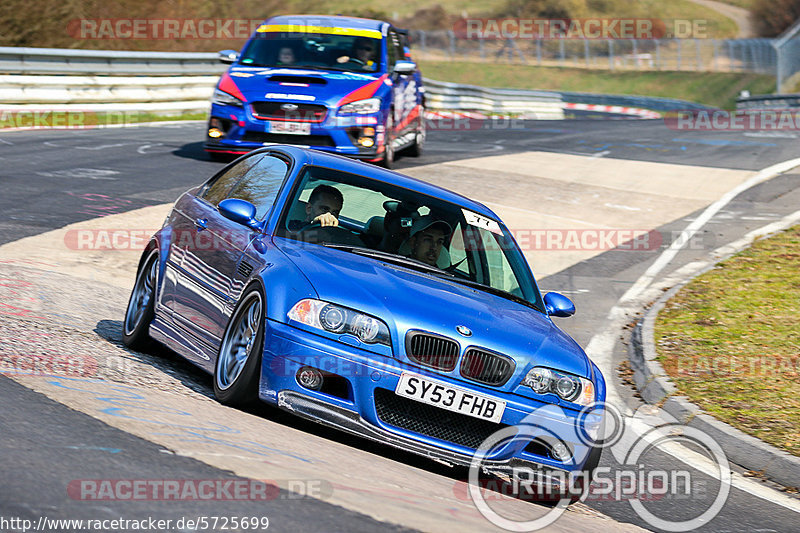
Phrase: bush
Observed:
(773, 17)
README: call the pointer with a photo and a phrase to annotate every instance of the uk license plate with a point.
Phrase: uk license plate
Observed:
(454, 399)
(292, 128)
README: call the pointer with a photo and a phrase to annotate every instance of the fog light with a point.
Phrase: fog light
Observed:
(310, 378)
(369, 132)
(560, 451)
(215, 133)
(366, 142)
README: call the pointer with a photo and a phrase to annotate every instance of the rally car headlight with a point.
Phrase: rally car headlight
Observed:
(566, 386)
(223, 98)
(361, 107)
(336, 319)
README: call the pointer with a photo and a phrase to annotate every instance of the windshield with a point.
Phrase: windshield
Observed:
(331, 49)
(393, 224)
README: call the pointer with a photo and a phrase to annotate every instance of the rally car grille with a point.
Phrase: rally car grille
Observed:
(430, 350)
(486, 367)
(295, 112)
(432, 421)
(287, 138)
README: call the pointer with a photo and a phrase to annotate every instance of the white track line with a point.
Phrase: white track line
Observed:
(601, 346)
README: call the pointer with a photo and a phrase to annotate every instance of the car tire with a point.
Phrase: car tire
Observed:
(238, 367)
(388, 151)
(415, 150)
(141, 306)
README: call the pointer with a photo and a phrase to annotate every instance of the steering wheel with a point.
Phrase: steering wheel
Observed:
(333, 234)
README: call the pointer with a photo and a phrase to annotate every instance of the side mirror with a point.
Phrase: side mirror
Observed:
(228, 56)
(558, 305)
(240, 211)
(405, 67)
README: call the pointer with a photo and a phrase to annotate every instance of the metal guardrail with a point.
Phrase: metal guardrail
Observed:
(645, 102)
(451, 96)
(152, 81)
(769, 101)
(106, 62)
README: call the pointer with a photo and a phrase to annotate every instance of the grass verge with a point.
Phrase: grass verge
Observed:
(729, 340)
(718, 89)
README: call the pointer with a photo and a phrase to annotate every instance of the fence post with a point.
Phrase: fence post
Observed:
(452, 36)
(779, 72)
(539, 52)
(679, 54)
(636, 54)
(730, 54)
(422, 41)
(610, 54)
(715, 61)
(699, 59)
(658, 54)
(586, 51)
(561, 52)
(480, 47)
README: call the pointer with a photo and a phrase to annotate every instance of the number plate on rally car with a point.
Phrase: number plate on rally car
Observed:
(454, 399)
(292, 128)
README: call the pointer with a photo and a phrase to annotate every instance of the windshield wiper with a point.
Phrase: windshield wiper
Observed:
(390, 257)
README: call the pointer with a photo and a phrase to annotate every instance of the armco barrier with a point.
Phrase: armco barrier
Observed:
(174, 82)
(769, 101)
(107, 62)
(534, 104)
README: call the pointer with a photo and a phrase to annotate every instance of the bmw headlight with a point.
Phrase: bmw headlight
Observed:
(361, 107)
(223, 98)
(566, 386)
(336, 319)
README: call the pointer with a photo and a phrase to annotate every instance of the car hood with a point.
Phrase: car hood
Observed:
(406, 299)
(325, 87)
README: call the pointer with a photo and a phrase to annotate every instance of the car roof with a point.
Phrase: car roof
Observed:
(333, 21)
(305, 156)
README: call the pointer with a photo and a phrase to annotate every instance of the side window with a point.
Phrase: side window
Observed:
(392, 42)
(218, 190)
(261, 184)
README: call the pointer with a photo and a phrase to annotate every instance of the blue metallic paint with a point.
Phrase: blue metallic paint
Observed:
(207, 286)
(401, 95)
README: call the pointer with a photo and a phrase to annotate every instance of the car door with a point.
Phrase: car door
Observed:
(404, 90)
(207, 247)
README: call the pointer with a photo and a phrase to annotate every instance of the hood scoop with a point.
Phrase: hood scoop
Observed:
(284, 79)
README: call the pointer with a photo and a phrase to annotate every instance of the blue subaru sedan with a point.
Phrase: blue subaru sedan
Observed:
(336, 84)
(369, 301)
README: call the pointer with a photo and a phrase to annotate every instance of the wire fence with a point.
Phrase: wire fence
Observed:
(704, 55)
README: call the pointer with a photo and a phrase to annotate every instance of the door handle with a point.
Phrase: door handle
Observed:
(201, 224)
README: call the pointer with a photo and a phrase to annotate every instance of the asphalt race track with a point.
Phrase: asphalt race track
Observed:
(96, 430)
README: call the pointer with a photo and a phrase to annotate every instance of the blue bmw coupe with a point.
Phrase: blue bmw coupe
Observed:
(369, 301)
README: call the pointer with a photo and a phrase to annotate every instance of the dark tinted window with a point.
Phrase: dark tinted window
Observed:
(392, 47)
(261, 184)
